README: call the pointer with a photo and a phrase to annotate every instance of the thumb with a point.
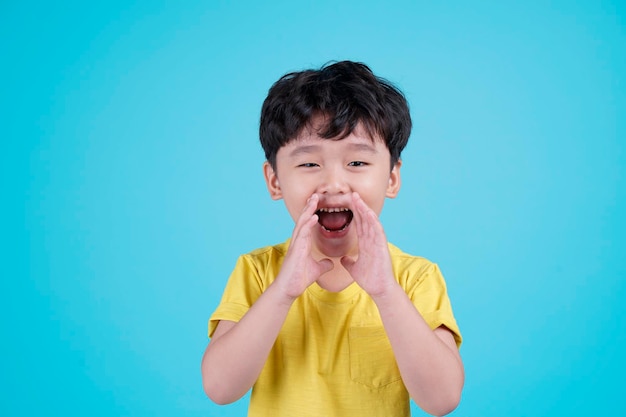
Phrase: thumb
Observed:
(325, 265)
(347, 262)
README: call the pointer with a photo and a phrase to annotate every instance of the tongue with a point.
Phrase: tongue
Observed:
(334, 221)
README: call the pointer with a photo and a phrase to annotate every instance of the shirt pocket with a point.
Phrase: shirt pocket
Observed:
(372, 362)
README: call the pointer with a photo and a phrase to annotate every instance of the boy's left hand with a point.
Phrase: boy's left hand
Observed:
(372, 268)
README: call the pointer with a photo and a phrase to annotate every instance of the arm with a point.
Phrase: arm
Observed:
(237, 352)
(235, 357)
(428, 360)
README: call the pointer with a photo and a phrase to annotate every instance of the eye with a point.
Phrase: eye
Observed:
(308, 165)
(357, 164)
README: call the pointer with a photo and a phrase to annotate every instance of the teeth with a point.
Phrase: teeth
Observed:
(333, 209)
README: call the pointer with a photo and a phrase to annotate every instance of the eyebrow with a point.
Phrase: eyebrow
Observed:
(354, 147)
(366, 147)
(305, 149)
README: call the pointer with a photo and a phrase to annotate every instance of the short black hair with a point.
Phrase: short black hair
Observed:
(345, 94)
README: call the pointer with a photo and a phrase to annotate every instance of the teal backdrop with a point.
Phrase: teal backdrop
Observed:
(131, 181)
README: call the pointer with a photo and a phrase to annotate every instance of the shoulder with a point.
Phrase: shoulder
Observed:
(280, 248)
(411, 270)
(402, 260)
(266, 253)
(264, 261)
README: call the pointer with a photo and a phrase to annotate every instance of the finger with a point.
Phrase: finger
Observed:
(363, 208)
(325, 265)
(347, 262)
(369, 224)
(366, 215)
(310, 207)
(357, 213)
(302, 232)
(311, 203)
(308, 216)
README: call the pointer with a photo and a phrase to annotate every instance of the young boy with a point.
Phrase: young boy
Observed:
(335, 321)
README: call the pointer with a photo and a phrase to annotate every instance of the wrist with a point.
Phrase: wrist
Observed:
(280, 295)
(388, 296)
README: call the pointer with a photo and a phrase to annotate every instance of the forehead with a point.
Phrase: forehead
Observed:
(309, 141)
(316, 145)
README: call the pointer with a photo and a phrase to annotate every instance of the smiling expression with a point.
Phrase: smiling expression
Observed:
(333, 169)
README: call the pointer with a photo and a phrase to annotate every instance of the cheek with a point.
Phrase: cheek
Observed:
(295, 198)
(374, 185)
(374, 193)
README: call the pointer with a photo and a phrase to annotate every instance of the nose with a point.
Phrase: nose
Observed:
(334, 181)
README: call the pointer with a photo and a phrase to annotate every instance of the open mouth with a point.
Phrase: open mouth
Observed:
(334, 219)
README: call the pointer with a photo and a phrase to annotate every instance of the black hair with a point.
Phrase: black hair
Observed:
(345, 94)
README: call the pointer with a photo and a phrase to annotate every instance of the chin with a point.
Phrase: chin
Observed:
(336, 245)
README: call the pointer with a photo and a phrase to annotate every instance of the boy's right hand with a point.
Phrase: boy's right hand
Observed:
(300, 269)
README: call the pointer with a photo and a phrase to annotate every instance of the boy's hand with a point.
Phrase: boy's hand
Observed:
(299, 269)
(372, 268)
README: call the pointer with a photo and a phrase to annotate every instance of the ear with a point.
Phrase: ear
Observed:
(271, 180)
(394, 181)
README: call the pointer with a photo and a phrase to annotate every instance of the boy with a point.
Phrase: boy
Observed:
(335, 321)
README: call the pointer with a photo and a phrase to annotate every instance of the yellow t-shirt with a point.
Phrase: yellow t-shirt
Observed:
(332, 356)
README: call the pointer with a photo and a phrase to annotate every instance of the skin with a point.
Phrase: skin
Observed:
(353, 172)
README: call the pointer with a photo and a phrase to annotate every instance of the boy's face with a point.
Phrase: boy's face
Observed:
(333, 169)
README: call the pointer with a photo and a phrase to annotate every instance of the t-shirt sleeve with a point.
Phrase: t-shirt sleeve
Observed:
(243, 288)
(430, 296)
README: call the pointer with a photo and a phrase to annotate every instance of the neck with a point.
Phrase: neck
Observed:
(337, 279)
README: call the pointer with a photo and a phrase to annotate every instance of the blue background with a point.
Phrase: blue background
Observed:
(131, 180)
